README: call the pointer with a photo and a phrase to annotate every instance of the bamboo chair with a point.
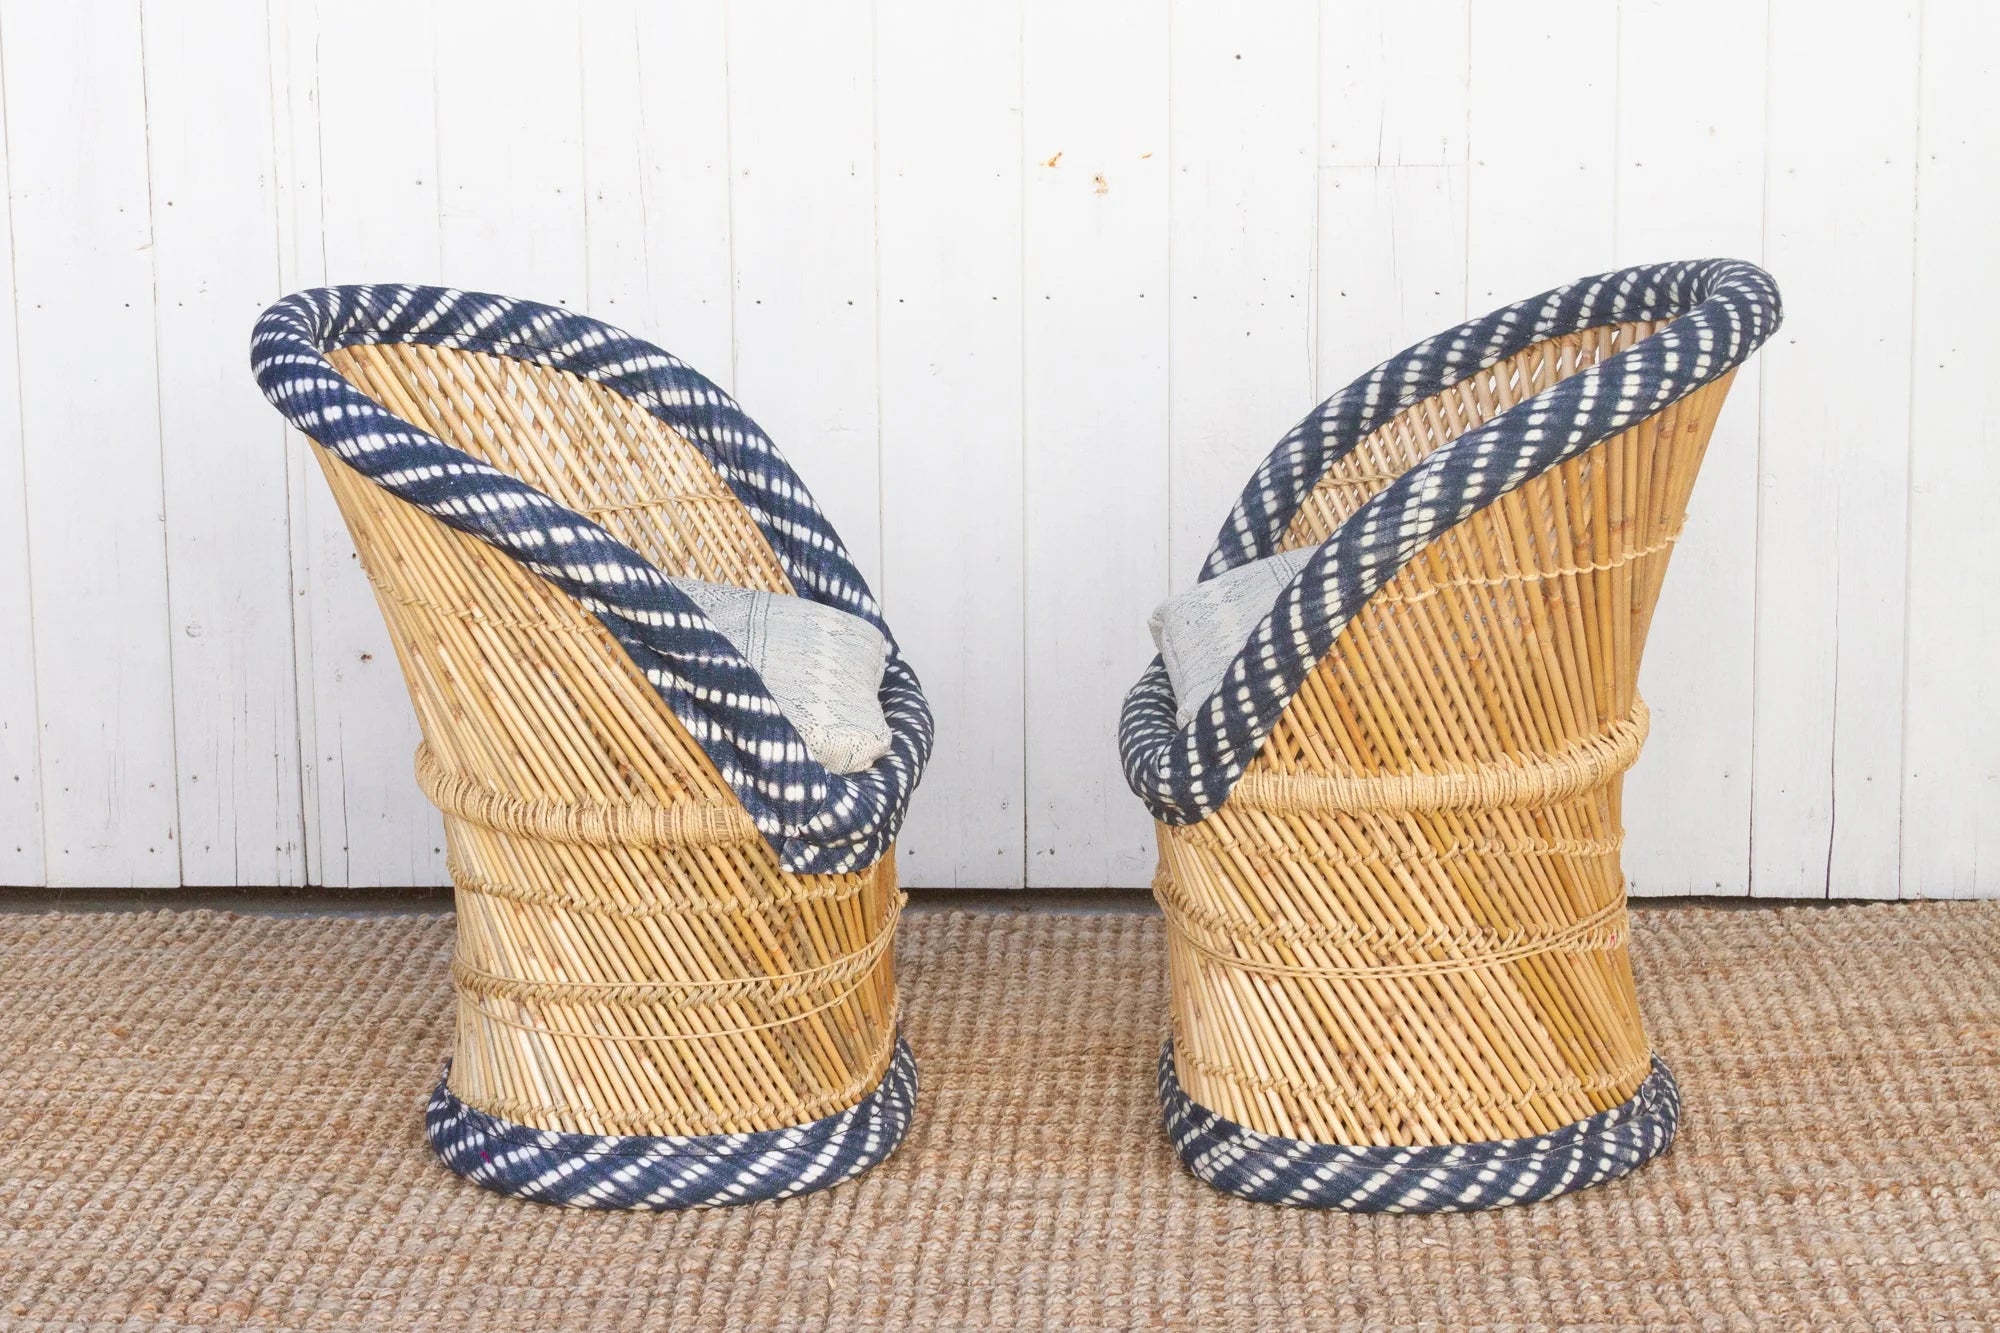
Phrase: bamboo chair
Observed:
(674, 972)
(1389, 845)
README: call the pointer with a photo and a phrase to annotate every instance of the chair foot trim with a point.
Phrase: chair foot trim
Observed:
(648, 1173)
(1448, 1178)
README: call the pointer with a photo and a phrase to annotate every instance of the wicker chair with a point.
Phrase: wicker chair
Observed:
(674, 972)
(1389, 843)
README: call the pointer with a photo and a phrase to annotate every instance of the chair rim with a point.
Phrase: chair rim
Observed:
(817, 821)
(1719, 310)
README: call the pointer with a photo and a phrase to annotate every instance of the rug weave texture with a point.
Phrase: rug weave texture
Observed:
(210, 1120)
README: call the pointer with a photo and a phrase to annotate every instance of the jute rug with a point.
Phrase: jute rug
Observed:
(213, 1121)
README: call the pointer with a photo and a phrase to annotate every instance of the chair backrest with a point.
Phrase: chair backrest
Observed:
(517, 687)
(1520, 629)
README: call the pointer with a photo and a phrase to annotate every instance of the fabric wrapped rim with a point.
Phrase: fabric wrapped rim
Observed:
(1440, 1178)
(663, 1173)
(817, 821)
(1721, 310)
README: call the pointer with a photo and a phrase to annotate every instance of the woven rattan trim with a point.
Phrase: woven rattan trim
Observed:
(669, 498)
(1506, 578)
(472, 615)
(1210, 836)
(834, 1001)
(785, 891)
(1478, 945)
(1602, 930)
(593, 823)
(712, 1034)
(769, 988)
(1619, 1080)
(773, 1113)
(1584, 764)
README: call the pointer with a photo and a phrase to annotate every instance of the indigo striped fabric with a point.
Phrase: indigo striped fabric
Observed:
(1452, 1178)
(1722, 310)
(652, 1173)
(817, 821)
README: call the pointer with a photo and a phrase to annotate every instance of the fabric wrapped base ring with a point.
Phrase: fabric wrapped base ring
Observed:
(647, 1173)
(1448, 1178)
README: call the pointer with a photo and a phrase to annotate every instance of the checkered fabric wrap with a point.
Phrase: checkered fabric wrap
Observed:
(1722, 310)
(642, 1173)
(1454, 1178)
(818, 822)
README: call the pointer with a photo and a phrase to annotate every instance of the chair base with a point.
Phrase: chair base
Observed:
(1450, 1178)
(646, 1173)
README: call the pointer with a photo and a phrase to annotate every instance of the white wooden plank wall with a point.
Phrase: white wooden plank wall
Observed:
(85, 316)
(1025, 289)
(949, 163)
(1690, 179)
(1097, 295)
(1951, 742)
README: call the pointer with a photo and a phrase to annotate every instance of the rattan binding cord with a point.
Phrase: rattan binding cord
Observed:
(631, 959)
(1406, 926)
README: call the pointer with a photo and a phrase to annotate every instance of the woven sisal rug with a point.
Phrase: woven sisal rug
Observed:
(213, 1121)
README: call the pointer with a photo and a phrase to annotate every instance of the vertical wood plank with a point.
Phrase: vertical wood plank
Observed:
(618, 254)
(802, 152)
(375, 139)
(1391, 264)
(1095, 103)
(510, 149)
(1832, 518)
(90, 429)
(1242, 194)
(363, 142)
(1690, 184)
(21, 861)
(1951, 783)
(1394, 102)
(1393, 83)
(656, 168)
(949, 217)
(223, 454)
(293, 63)
(1542, 130)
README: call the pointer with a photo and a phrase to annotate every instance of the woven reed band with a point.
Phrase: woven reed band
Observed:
(772, 893)
(1210, 836)
(1224, 937)
(472, 615)
(844, 971)
(1583, 765)
(1510, 578)
(1248, 945)
(1464, 950)
(762, 1113)
(691, 823)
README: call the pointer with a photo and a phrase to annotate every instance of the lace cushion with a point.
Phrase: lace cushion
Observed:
(1199, 632)
(822, 666)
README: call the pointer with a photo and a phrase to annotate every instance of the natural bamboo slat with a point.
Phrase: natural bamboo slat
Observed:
(1407, 924)
(630, 959)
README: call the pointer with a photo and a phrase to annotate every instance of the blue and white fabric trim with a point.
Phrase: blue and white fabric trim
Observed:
(817, 821)
(1453, 1178)
(643, 1173)
(1722, 310)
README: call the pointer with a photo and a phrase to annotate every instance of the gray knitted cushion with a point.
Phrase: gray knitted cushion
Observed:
(822, 666)
(1200, 632)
